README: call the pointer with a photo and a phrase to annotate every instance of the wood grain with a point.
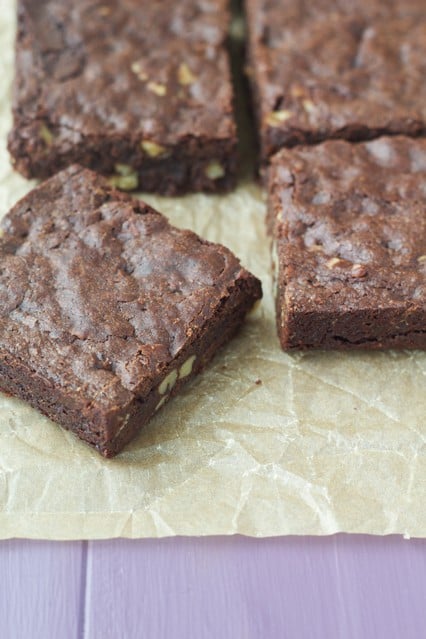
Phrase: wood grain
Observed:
(42, 585)
(241, 588)
(343, 587)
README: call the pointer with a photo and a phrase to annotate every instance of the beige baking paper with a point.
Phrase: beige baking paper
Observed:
(262, 444)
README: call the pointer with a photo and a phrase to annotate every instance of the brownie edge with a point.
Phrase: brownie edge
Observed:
(106, 310)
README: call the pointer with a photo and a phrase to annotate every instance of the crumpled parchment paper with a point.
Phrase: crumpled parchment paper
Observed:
(262, 444)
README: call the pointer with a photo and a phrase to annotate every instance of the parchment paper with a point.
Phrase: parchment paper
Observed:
(323, 442)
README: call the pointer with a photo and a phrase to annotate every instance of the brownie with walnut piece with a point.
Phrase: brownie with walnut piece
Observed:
(139, 91)
(348, 223)
(106, 310)
(349, 69)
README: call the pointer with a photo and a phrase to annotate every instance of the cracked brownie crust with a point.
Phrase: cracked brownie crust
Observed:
(348, 223)
(336, 69)
(105, 309)
(139, 91)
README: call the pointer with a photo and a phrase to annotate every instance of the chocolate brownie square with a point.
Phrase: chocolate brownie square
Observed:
(139, 91)
(106, 310)
(349, 228)
(336, 69)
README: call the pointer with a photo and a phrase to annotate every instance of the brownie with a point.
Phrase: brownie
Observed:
(106, 310)
(349, 227)
(139, 91)
(350, 69)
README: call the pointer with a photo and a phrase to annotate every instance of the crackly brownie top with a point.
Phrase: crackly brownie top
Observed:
(152, 70)
(326, 65)
(352, 220)
(98, 291)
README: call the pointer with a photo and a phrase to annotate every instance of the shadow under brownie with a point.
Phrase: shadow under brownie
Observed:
(140, 91)
(348, 223)
(105, 309)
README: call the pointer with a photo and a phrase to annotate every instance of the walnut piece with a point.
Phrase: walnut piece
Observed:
(46, 135)
(186, 369)
(358, 270)
(214, 170)
(168, 382)
(185, 75)
(153, 149)
(138, 70)
(309, 106)
(126, 178)
(275, 118)
(333, 262)
(161, 403)
(157, 88)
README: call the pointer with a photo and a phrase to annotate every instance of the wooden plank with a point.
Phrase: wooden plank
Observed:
(41, 589)
(241, 588)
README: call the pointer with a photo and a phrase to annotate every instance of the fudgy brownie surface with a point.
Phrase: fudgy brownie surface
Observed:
(138, 90)
(351, 69)
(349, 227)
(106, 309)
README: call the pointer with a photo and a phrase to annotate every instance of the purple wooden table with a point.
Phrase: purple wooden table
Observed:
(346, 587)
